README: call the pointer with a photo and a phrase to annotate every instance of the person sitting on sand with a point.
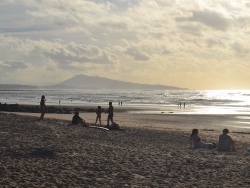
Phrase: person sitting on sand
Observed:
(77, 120)
(225, 142)
(196, 142)
(98, 114)
(110, 112)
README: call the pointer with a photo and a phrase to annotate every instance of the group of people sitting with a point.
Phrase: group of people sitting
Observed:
(225, 142)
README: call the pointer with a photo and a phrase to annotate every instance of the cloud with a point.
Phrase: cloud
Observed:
(9, 65)
(60, 52)
(211, 19)
(137, 54)
(123, 39)
(240, 49)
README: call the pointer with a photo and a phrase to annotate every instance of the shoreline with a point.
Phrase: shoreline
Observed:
(128, 108)
(210, 125)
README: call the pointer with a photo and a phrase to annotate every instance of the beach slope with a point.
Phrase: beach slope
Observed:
(50, 153)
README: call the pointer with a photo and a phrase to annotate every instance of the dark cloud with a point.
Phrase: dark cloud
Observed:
(115, 25)
(240, 49)
(66, 54)
(210, 19)
(137, 54)
(13, 65)
(121, 5)
(191, 29)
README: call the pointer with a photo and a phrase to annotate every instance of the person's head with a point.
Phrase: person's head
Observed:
(110, 103)
(43, 97)
(77, 113)
(99, 107)
(195, 131)
(225, 131)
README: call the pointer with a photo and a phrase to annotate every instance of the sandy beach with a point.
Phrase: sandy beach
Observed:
(152, 151)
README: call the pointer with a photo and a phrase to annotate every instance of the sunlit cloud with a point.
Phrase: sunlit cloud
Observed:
(191, 45)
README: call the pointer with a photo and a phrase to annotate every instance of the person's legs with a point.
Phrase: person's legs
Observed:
(211, 145)
(96, 119)
(100, 120)
(83, 123)
(232, 145)
(42, 113)
(108, 121)
(111, 118)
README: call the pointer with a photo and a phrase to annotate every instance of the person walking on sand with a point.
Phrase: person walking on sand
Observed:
(110, 112)
(225, 143)
(98, 114)
(196, 142)
(43, 107)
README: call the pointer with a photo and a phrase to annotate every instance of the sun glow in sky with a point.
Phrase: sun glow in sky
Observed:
(190, 44)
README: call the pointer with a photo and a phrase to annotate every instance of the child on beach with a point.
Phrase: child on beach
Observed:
(43, 107)
(77, 120)
(110, 112)
(98, 114)
(196, 142)
(225, 142)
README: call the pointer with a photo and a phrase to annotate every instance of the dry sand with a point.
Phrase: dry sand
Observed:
(151, 151)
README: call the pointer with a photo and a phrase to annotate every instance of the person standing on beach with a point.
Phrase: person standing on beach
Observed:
(98, 114)
(110, 112)
(43, 107)
(225, 143)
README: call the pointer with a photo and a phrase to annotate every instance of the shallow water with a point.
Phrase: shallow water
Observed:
(150, 101)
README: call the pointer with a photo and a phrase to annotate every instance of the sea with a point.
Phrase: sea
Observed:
(150, 101)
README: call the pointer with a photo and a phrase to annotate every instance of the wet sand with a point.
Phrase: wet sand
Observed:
(152, 151)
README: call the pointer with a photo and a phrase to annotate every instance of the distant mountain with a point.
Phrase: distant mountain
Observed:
(16, 86)
(95, 82)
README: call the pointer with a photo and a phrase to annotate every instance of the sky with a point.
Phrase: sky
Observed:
(194, 44)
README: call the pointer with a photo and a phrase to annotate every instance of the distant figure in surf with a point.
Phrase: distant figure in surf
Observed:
(43, 107)
(225, 143)
(98, 115)
(110, 112)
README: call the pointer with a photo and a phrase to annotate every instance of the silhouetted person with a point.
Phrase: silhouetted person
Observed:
(43, 107)
(226, 143)
(110, 112)
(77, 120)
(98, 114)
(196, 142)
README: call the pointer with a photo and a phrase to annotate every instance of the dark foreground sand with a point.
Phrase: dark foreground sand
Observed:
(51, 154)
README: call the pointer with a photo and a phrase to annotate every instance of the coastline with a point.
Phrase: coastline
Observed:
(210, 125)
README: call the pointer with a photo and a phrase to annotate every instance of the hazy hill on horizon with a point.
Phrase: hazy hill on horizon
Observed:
(96, 82)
